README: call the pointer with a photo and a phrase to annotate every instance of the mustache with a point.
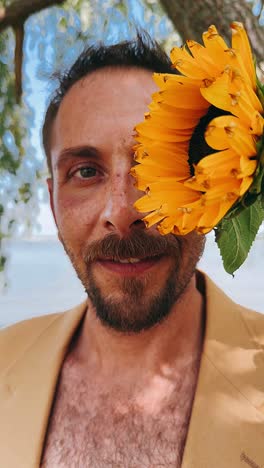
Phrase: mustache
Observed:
(138, 245)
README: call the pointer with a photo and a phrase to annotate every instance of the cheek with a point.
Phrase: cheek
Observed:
(75, 217)
(192, 246)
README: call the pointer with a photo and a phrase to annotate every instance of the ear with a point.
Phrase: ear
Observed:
(51, 200)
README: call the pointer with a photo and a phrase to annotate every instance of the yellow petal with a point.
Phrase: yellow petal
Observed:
(245, 184)
(225, 94)
(172, 122)
(168, 224)
(212, 215)
(237, 84)
(147, 175)
(182, 220)
(163, 134)
(159, 156)
(247, 167)
(227, 132)
(220, 164)
(181, 96)
(195, 183)
(180, 113)
(216, 93)
(185, 99)
(240, 42)
(257, 124)
(153, 218)
(147, 203)
(189, 220)
(173, 117)
(172, 192)
(203, 57)
(187, 65)
(161, 203)
(216, 46)
(224, 190)
(170, 80)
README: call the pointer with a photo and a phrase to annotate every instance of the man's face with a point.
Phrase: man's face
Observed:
(132, 276)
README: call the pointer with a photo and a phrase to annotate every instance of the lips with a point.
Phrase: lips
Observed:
(130, 260)
(129, 266)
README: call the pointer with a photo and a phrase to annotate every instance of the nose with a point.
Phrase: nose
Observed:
(119, 214)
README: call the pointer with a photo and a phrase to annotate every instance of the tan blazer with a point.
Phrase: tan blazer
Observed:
(227, 423)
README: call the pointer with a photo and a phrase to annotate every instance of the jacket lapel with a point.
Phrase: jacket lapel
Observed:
(227, 422)
(27, 386)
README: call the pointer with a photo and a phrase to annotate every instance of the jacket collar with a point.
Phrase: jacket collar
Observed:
(28, 384)
(227, 422)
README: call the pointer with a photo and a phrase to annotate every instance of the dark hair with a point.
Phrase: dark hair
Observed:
(141, 52)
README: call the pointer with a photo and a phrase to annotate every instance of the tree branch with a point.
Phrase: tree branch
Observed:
(191, 19)
(19, 34)
(19, 10)
(15, 15)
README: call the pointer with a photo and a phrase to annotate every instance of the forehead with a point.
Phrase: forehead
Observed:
(106, 98)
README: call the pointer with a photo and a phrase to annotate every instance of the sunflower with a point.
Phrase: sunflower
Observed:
(184, 192)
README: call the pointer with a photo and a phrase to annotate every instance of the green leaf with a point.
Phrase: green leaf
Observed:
(234, 236)
(25, 192)
(63, 23)
(2, 263)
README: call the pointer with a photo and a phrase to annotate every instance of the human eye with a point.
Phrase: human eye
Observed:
(85, 172)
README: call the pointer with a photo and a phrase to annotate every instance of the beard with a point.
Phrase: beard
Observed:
(135, 312)
(129, 308)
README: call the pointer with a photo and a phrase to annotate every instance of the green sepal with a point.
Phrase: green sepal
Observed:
(257, 183)
(260, 149)
(262, 200)
(235, 235)
(260, 92)
(249, 199)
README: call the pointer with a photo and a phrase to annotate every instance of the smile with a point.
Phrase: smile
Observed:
(130, 266)
(129, 260)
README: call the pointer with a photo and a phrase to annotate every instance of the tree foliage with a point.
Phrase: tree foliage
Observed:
(18, 169)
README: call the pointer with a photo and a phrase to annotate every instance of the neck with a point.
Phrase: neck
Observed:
(170, 345)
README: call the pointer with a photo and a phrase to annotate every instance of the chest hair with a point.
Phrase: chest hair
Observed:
(92, 428)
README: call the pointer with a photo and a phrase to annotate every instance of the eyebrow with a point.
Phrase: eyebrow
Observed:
(76, 152)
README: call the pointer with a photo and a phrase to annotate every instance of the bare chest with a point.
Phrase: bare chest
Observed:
(95, 429)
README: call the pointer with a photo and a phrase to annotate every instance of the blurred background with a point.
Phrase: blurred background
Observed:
(37, 38)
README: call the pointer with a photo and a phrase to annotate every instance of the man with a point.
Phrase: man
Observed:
(158, 368)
